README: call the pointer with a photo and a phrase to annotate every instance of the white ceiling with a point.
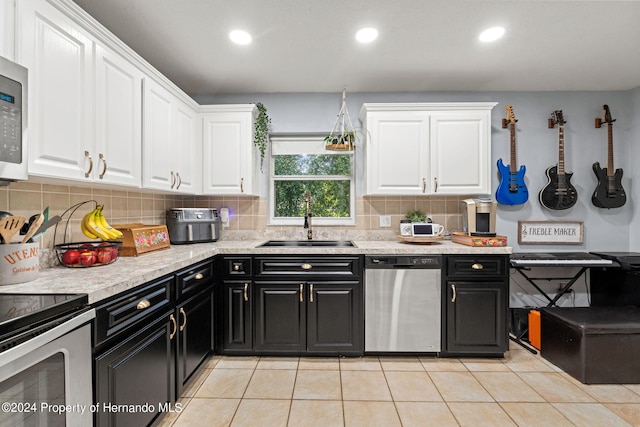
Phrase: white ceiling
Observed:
(424, 45)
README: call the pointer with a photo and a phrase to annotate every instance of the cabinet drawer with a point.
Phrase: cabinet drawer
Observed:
(133, 308)
(234, 267)
(339, 266)
(194, 279)
(478, 266)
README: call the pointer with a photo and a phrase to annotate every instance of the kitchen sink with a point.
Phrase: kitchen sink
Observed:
(308, 243)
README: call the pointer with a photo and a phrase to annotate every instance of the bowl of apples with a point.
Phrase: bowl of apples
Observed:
(88, 254)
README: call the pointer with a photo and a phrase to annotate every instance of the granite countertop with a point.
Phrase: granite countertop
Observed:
(127, 272)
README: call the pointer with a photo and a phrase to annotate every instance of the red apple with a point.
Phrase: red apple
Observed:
(103, 256)
(87, 258)
(71, 257)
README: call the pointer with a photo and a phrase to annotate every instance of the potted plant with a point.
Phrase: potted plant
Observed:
(341, 142)
(261, 131)
(416, 215)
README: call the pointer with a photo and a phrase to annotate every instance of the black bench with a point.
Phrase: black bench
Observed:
(595, 345)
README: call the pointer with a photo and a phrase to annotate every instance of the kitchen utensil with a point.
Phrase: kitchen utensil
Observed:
(35, 225)
(44, 227)
(9, 226)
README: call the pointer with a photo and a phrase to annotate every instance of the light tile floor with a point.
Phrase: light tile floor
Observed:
(522, 389)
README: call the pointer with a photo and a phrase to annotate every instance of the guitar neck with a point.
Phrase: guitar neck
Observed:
(560, 150)
(512, 140)
(610, 170)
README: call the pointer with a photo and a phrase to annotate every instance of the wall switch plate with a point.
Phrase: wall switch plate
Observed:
(224, 217)
(385, 220)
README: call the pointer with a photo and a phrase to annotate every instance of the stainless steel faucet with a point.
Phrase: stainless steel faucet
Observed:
(307, 215)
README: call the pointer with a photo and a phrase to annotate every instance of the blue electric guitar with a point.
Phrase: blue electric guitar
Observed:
(512, 189)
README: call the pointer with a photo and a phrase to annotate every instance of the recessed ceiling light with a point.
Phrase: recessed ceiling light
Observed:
(367, 35)
(240, 37)
(491, 34)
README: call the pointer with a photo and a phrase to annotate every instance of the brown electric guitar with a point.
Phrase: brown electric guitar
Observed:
(609, 192)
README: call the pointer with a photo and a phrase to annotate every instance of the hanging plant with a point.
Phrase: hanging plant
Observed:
(261, 131)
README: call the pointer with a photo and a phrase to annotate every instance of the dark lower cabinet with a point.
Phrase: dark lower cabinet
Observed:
(476, 298)
(195, 337)
(236, 310)
(138, 371)
(323, 317)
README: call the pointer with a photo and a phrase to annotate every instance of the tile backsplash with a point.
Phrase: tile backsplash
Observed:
(248, 214)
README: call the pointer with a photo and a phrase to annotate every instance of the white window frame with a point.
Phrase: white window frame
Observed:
(308, 144)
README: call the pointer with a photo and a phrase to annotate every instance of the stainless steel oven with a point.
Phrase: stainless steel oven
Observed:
(45, 360)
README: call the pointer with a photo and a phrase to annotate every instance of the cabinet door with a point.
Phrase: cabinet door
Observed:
(159, 147)
(7, 36)
(230, 164)
(476, 316)
(280, 318)
(195, 335)
(335, 323)
(188, 167)
(59, 56)
(118, 150)
(397, 158)
(237, 317)
(460, 152)
(139, 371)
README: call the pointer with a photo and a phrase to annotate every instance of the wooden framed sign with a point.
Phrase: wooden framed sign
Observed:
(550, 232)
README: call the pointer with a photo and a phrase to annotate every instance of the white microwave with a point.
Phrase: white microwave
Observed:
(13, 121)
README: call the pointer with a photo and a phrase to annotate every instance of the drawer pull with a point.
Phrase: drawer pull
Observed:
(175, 327)
(311, 292)
(477, 266)
(236, 267)
(453, 292)
(142, 304)
(199, 276)
(87, 174)
(246, 292)
(184, 323)
(301, 292)
(306, 266)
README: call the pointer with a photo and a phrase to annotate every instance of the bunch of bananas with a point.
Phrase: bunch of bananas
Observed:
(95, 226)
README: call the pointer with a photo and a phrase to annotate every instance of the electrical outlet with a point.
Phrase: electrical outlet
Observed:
(385, 220)
(224, 217)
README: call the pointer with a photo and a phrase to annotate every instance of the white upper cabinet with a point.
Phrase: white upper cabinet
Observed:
(231, 164)
(427, 148)
(7, 29)
(84, 102)
(171, 158)
(59, 57)
(118, 140)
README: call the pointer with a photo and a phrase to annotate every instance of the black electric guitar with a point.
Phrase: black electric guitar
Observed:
(609, 192)
(559, 193)
(512, 189)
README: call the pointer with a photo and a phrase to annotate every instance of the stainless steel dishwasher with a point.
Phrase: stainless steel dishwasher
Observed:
(402, 303)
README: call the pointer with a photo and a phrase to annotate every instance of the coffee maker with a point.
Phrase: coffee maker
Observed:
(479, 217)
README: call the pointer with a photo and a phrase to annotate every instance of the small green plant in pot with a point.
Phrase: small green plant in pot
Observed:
(416, 215)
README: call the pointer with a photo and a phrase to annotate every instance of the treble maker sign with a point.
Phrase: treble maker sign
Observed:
(550, 232)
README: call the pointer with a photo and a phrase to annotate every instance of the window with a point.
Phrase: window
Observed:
(300, 164)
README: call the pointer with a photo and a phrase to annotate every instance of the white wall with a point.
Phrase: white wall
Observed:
(634, 168)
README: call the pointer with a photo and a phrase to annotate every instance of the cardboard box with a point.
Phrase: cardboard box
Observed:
(140, 238)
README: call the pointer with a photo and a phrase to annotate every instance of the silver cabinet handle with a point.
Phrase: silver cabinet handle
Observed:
(173, 180)
(453, 290)
(246, 293)
(242, 185)
(477, 266)
(184, 323)
(104, 163)
(424, 185)
(179, 180)
(301, 292)
(306, 266)
(87, 174)
(435, 184)
(175, 327)
(199, 276)
(311, 292)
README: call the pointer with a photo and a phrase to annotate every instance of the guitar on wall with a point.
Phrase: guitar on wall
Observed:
(512, 189)
(559, 193)
(609, 192)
